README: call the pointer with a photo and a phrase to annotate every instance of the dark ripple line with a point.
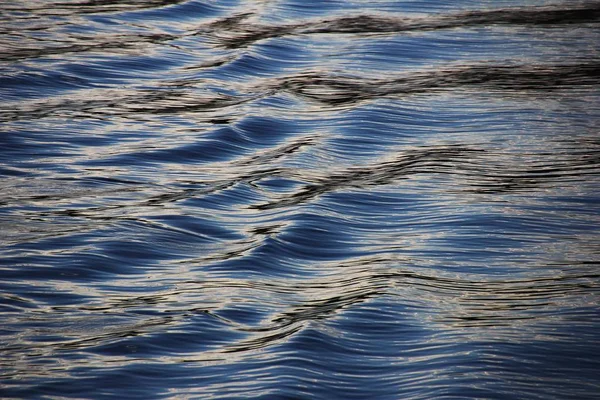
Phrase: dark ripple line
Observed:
(377, 174)
(483, 296)
(237, 171)
(106, 334)
(335, 90)
(356, 283)
(495, 177)
(328, 89)
(119, 42)
(239, 34)
(233, 33)
(161, 102)
(75, 8)
(484, 172)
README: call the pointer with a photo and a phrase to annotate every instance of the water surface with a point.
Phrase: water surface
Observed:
(299, 199)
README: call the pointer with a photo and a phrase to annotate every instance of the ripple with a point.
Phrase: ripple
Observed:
(367, 24)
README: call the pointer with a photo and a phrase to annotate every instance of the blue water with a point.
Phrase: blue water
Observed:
(299, 199)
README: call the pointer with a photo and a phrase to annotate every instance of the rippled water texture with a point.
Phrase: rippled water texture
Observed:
(299, 199)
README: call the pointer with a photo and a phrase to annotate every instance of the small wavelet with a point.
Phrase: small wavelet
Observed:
(368, 24)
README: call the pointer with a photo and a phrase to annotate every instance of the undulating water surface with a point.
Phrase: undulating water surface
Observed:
(299, 199)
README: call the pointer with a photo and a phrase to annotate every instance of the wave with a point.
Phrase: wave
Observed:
(478, 303)
(327, 89)
(233, 32)
(73, 8)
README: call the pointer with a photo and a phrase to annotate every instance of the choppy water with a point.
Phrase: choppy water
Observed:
(299, 199)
